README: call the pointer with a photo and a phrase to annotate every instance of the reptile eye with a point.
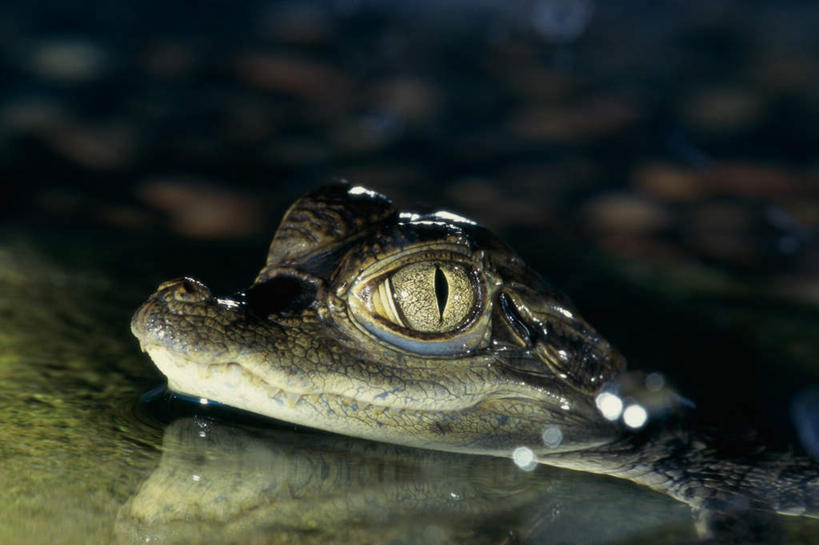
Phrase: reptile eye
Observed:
(428, 307)
(427, 297)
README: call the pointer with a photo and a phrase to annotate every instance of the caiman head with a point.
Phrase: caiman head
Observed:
(422, 330)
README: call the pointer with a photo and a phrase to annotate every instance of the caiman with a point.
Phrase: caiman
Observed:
(427, 331)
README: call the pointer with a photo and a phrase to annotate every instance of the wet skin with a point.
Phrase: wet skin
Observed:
(428, 331)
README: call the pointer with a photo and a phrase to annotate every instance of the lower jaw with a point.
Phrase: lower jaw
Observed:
(486, 434)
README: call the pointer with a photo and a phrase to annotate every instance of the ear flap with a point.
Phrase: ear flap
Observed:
(322, 220)
(568, 346)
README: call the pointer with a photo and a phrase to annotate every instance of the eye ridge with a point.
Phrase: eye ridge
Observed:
(441, 292)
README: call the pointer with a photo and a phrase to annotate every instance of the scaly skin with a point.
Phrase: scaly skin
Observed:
(324, 339)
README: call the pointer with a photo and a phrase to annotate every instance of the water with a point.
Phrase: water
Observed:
(655, 162)
(87, 462)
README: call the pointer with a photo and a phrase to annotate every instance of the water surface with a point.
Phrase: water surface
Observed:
(85, 461)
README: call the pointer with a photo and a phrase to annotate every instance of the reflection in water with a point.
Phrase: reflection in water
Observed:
(217, 483)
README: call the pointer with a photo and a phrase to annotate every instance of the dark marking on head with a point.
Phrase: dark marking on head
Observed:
(282, 294)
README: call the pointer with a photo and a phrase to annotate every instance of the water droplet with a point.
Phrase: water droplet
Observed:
(635, 416)
(563, 355)
(655, 382)
(552, 436)
(524, 458)
(609, 405)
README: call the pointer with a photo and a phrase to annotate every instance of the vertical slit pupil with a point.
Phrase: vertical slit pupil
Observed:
(441, 291)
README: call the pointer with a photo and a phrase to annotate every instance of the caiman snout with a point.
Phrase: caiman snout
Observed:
(176, 304)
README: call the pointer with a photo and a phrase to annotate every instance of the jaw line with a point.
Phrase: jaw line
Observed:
(196, 379)
(188, 376)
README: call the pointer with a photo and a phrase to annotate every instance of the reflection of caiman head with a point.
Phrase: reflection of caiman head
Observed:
(418, 330)
(226, 484)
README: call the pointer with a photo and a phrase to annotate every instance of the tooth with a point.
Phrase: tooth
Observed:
(292, 398)
(274, 393)
(314, 398)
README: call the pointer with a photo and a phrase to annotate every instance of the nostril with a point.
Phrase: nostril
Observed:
(187, 286)
(185, 290)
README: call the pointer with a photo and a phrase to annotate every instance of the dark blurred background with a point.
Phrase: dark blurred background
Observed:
(657, 160)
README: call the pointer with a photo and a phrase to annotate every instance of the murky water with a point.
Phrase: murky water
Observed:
(85, 461)
(72, 450)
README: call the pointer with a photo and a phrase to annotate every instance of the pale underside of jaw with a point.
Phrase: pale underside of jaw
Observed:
(232, 384)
